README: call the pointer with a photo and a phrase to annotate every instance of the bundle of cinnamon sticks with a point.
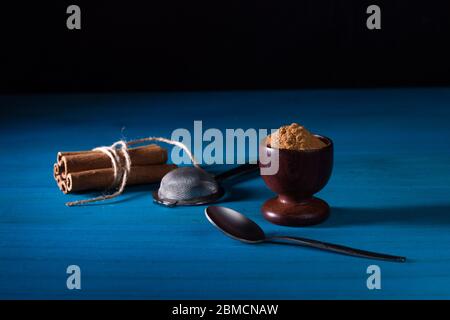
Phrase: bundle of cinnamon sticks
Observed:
(92, 170)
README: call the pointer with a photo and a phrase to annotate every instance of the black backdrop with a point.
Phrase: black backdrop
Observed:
(218, 44)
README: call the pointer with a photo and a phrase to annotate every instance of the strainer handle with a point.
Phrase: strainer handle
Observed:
(242, 169)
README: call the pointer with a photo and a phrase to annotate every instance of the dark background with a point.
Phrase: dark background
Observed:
(216, 44)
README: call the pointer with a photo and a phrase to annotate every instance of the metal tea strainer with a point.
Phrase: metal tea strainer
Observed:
(190, 186)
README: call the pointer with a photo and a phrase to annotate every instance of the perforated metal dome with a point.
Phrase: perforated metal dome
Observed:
(187, 183)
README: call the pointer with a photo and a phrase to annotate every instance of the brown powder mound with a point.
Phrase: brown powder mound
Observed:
(294, 137)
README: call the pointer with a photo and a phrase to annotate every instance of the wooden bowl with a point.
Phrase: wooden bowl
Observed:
(301, 174)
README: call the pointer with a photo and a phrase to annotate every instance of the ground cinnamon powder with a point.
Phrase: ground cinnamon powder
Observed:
(294, 137)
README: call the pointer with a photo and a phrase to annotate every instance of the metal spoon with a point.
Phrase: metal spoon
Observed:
(239, 227)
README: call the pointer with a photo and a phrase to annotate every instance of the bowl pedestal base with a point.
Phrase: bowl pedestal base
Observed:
(295, 214)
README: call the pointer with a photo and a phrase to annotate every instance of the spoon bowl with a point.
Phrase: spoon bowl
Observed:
(234, 224)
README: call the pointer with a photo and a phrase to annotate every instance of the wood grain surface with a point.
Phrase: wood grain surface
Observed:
(389, 192)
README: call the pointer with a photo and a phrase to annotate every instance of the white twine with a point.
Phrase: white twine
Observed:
(122, 171)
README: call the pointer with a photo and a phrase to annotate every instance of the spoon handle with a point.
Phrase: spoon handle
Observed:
(339, 249)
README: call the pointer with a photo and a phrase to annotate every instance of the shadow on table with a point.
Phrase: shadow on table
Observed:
(432, 215)
(235, 193)
(130, 193)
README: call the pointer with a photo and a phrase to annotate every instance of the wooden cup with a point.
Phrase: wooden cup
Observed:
(301, 174)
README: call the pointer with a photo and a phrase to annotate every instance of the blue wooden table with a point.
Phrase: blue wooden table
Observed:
(389, 192)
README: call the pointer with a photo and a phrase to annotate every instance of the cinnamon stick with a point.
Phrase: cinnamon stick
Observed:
(55, 171)
(102, 179)
(72, 153)
(62, 185)
(70, 162)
